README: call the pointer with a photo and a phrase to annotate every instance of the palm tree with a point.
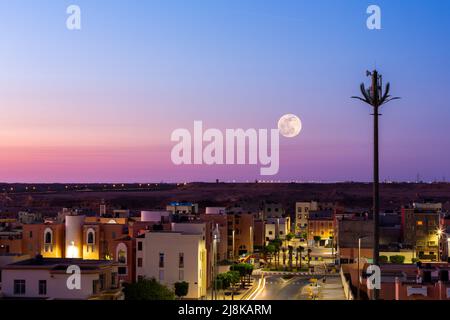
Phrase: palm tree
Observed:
(284, 256)
(300, 250)
(309, 258)
(290, 251)
(277, 256)
(375, 97)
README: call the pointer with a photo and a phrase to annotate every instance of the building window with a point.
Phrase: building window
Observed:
(48, 237)
(113, 235)
(122, 256)
(181, 260)
(161, 260)
(90, 237)
(140, 246)
(122, 270)
(113, 279)
(102, 281)
(139, 262)
(42, 287)
(95, 284)
(48, 240)
(19, 287)
(31, 234)
(161, 275)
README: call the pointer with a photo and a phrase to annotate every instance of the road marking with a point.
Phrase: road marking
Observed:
(262, 288)
(257, 288)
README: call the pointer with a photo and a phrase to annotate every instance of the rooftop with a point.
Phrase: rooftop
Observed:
(59, 264)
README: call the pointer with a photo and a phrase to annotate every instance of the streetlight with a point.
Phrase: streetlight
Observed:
(216, 239)
(233, 254)
(359, 258)
(375, 97)
(439, 234)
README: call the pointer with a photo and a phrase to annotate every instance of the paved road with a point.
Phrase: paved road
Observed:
(277, 288)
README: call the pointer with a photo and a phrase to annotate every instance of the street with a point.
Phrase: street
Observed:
(277, 288)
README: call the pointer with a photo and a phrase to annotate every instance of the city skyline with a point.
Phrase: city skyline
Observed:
(99, 104)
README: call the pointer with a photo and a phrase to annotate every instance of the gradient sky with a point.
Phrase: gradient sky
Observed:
(99, 105)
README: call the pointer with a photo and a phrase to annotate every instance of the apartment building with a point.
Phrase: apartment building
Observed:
(170, 257)
(302, 210)
(421, 228)
(52, 278)
(277, 228)
(320, 224)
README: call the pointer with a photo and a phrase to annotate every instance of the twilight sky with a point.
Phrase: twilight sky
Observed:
(99, 104)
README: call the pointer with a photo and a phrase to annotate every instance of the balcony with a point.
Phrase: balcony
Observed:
(413, 290)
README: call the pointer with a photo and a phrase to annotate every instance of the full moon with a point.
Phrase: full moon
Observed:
(289, 125)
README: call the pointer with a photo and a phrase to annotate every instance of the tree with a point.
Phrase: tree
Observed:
(317, 239)
(277, 244)
(375, 97)
(383, 259)
(147, 289)
(181, 289)
(300, 251)
(290, 252)
(309, 258)
(289, 237)
(397, 259)
(233, 277)
(284, 256)
(269, 251)
(244, 269)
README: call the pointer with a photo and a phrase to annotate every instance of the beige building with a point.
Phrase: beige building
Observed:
(277, 228)
(302, 210)
(171, 257)
(240, 232)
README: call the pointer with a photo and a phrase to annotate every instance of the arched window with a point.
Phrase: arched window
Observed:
(90, 236)
(121, 253)
(90, 239)
(48, 240)
(48, 235)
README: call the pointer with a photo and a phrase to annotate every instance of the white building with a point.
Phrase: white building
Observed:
(277, 226)
(302, 210)
(155, 216)
(44, 278)
(215, 210)
(172, 257)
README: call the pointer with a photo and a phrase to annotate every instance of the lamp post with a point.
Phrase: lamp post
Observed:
(439, 234)
(359, 272)
(375, 97)
(216, 239)
(233, 253)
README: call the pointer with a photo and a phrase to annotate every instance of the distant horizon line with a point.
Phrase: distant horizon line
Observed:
(256, 181)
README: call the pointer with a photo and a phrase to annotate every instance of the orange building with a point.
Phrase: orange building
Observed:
(321, 224)
(429, 281)
(46, 239)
